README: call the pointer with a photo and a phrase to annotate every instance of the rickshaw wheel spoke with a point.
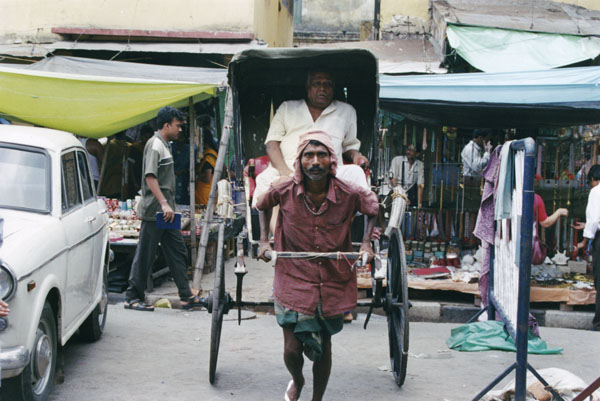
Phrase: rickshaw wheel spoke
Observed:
(397, 307)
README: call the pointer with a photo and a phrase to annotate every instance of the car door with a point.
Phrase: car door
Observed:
(77, 231)
(94, 217)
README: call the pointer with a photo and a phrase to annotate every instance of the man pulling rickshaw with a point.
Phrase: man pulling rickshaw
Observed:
(311, 295)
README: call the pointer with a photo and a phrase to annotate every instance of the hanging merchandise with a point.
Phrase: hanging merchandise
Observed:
(414, 224)
(434, 230)
(430, 181)
(472, 240)
(414, 136)
(405, 143)
(424, 145)
(571, 159)
(539, 161)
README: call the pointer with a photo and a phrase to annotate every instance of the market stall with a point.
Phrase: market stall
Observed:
(560, 109)
(98, 98)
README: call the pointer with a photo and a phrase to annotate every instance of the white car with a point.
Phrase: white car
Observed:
(53, 257)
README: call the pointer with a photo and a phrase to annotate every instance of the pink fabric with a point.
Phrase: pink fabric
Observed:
(319, 136)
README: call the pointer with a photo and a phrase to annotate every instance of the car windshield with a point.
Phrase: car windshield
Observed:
(24, 179)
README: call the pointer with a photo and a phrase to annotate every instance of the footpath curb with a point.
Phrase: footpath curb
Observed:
(569, 319)
(427, 311)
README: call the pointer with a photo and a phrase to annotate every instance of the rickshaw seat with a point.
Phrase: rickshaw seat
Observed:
(260, 164)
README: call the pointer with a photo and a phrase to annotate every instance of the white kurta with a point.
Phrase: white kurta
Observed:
(293, 119)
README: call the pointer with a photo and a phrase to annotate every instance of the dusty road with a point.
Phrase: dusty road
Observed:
(164, 356)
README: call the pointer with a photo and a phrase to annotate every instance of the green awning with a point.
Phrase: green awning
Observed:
(505, 50)
(88, 105)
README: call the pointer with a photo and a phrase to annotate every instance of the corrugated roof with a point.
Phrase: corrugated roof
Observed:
(523, 15)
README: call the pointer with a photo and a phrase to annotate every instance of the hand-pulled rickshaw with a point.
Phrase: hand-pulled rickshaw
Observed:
(259, 81)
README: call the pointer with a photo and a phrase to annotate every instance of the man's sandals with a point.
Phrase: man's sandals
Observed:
(137, 304)
(192, 302)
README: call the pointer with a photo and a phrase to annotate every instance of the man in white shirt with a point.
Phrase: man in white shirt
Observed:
(407, 171)
(476, 153)
(319, 112)
(591, 232)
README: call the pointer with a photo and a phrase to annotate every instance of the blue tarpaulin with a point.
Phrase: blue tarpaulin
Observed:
(559, 97)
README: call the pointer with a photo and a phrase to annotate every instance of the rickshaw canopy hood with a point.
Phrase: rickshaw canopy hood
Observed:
(262, 79)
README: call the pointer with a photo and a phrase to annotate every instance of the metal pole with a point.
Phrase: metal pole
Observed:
(192, 183)
(524, 267)
(199, 267)
(491, 308)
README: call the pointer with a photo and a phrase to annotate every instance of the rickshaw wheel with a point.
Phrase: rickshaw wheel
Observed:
(219, 305)
(397, 306)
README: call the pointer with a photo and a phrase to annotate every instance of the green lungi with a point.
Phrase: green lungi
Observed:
(308, 329)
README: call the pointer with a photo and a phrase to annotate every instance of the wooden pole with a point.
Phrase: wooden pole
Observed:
(192, 183)
(227, 123)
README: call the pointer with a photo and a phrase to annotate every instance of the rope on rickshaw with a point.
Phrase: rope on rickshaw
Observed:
(399, 202)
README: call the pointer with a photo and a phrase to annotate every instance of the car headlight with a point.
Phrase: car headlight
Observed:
(8, 282)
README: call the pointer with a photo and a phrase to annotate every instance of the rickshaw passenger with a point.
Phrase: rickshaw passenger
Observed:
(319, 111)
(311, 295)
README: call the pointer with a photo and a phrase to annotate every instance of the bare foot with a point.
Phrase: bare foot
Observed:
(292, 393)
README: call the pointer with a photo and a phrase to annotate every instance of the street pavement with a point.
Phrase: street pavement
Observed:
(258, 287)
(163, 355)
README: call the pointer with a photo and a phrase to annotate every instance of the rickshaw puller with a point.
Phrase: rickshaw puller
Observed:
(311, 295)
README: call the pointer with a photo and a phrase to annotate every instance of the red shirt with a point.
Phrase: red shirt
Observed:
(539, 209)
(299, 283)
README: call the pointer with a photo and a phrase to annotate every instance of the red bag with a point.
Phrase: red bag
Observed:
(538, 254)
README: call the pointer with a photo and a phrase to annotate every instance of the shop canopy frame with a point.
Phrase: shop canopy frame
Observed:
(98, 98)
(532, 99)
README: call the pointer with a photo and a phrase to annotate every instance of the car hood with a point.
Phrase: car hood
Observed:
(25, 232)
(16, 221)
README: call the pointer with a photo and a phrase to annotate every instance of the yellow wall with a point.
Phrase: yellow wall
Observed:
(589, 4)
(32, 20)
(413, 8)
(274, 23)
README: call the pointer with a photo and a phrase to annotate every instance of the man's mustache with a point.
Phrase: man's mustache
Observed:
(316, 170)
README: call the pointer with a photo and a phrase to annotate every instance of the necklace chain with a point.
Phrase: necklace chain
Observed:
(310, 210)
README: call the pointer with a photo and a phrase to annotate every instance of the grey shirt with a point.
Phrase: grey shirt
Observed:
(158, 162)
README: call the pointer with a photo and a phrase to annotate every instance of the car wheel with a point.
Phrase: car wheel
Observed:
(92, 328)
(35, 381)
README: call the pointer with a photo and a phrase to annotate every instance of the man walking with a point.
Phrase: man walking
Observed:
(158, 195)
(311, 295)
(591, 232)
